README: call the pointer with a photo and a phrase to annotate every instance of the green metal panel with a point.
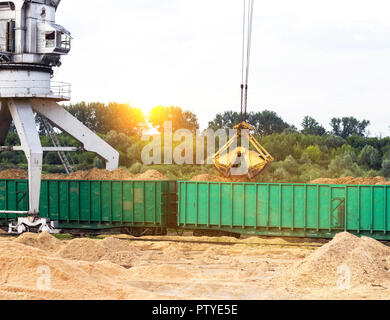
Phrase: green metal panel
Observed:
(285, 209)
(14, 197)
(96, 204)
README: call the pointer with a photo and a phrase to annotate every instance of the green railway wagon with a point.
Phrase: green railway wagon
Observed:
(96, 204)
(300, 210)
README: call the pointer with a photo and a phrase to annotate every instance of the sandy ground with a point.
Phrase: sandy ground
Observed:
(43, 267)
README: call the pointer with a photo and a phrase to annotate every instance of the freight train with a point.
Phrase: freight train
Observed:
(206, 208)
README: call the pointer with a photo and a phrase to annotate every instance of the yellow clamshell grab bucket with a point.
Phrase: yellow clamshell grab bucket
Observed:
(251, 163)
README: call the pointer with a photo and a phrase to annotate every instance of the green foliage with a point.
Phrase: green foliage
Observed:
(314, 153)
(344, 165)
(334, 142)
(227, 120)
(290, 130)
(312, 127)
(115, 116)
(291, 165)
(371, 173)
(137, 168)
(180, 119)
(12, 139)
(281, 174)
(348, 126)
(265, 122)
(53, 169)
(279, 145)
(52, 158)
(129, 147)
(347, 149)
(311, 173)
(300, 156)
(91, 114)
(98, 163)
(386, 168)
(369, 158)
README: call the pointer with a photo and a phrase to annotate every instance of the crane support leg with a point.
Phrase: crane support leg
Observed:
(66, 122)
(5, 121)
(24, 121)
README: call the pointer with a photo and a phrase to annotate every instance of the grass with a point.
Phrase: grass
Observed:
(63, 236)
(68, 236)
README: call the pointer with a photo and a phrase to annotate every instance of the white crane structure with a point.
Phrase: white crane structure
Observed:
(31, 45)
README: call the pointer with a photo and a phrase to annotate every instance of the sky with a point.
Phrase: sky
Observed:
(320, 58)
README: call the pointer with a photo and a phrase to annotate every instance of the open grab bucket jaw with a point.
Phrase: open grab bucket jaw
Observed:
(241, 160)
(31, 44)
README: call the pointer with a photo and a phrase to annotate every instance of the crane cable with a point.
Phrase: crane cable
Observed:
(246, 55)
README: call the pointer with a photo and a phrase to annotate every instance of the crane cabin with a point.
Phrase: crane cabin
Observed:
(29, 33)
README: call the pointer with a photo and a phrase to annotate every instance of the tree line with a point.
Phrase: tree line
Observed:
(301, 154)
